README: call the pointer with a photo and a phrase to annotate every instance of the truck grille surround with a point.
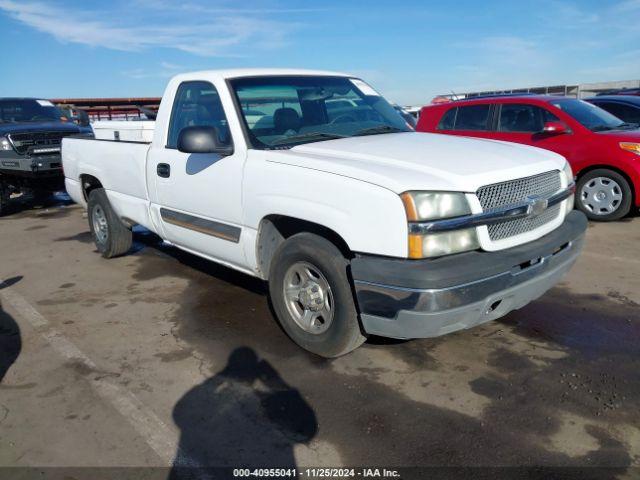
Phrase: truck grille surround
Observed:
(30, 141)
(514, 191)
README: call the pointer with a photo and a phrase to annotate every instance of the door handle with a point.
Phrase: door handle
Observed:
(163, 170)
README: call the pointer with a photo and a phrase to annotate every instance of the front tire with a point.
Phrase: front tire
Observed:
(111, 236)
(312, 298)
(603, 195)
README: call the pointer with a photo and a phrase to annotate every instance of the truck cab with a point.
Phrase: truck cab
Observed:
(359, 225)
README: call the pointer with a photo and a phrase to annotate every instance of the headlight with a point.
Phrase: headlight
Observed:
(631, 147)
(425, 206)
(5, 144)
(422, 206)
(569, 174)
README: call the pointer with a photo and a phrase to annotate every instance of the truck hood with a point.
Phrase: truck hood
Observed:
(6, 128)
(422, 161)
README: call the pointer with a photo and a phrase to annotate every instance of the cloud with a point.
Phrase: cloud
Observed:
(501, 62)
(509, 48)
(616, 72)
(66, 28)
(208, 9)
(627, 6)
(213, 33)
(570, 15)
(506, 51)
(165, 70)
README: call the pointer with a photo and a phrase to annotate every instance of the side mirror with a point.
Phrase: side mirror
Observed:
(202, 140)
(555, 128)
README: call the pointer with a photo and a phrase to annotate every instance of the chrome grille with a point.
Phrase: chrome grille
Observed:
(27, 142)
(514, 191)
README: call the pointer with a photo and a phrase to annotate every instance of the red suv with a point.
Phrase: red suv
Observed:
(603, 151)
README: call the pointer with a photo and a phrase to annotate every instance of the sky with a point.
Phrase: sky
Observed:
(409, 50)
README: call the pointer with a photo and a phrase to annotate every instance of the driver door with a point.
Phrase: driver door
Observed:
(199, 195)
(523, 123)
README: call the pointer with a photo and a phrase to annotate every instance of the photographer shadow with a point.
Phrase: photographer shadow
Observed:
(10, 338)
(246, 416)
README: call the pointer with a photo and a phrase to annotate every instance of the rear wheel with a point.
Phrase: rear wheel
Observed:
(603, 195)
(111, 236)
(312, 297)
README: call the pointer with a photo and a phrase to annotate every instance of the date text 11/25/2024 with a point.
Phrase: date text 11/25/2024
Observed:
(316, 473)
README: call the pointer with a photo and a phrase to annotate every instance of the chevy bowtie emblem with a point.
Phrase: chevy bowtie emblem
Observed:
(536, 205)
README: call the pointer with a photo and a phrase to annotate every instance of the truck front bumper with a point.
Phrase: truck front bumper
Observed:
(427, 298)
(31, 167)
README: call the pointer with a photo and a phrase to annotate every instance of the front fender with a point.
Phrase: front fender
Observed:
(369, 218)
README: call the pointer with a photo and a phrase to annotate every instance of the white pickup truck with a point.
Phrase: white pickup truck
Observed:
(313, 182)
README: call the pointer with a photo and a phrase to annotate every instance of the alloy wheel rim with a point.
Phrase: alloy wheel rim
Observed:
(601, 195)
(100, 226)
(308, 297)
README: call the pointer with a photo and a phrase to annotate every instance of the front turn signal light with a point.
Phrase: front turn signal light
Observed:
(442, 243)
(630, 147)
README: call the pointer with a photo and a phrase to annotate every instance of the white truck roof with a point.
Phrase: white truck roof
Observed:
(256, 72)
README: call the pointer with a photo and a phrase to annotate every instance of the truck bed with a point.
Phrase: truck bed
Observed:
(120, 168)
(133, 131)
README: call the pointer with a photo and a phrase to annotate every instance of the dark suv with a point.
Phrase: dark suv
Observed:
(625, 107)
(31, 131)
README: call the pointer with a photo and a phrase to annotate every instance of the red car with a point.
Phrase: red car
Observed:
(603, 151)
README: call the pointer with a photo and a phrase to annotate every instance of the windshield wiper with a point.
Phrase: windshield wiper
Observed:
(601, 128)
(378, 129)
(621, 126)
(308, 136)
(627, 126)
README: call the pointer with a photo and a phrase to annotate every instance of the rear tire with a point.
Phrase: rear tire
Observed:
(603, 195)
(312, 297)
(112, 237)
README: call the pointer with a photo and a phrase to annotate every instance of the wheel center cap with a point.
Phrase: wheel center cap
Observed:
(311, 296)
(601, 195)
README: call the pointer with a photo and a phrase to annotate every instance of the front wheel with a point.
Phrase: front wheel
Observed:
(312, 298)
(111, 236)
(603, 195)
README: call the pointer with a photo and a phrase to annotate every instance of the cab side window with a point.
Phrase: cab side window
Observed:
(522, 118)
(473, 117)
(197, 104)
(547, 116)
(448, 120)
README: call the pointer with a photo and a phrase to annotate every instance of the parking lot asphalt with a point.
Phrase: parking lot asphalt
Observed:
(159, 358)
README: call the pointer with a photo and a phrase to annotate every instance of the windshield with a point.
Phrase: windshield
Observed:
(284, 111)
(588, 115)
(28, 110)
